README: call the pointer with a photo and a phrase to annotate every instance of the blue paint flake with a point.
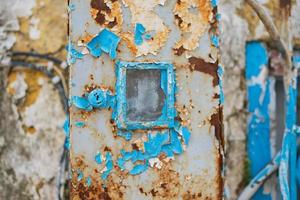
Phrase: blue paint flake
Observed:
(296, 60)
(183, 131)
(79, 175)
(138, 34)
(126, 135)
(258, 107)
(214, 3)
(88, 181)
(108, 165)
(175, 143)
(138, 169)
(154, 144)
(79, 124)
(186, 134)
(66, 127)
(148, 36)
(73, 54)
(71, 7)
(215, 40)
(105, 41)
(98, 158)
(220, 72)
(167, 149)
(121, 162)
(81, 103)
(67, 143)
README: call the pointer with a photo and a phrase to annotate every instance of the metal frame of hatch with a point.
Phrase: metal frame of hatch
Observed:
(166, 120)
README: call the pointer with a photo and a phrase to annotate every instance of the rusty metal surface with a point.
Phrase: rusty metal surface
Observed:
(184, 33)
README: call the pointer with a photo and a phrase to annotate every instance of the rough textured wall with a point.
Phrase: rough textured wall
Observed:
(240, 24)
(31, 137)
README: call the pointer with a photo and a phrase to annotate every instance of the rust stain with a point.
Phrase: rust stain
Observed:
(151, 21)
(217, 121)
(179, 51)
(200, 65)
(167, 185)
(86, 38)
(189, 195)
(107, 13)
(29, 129)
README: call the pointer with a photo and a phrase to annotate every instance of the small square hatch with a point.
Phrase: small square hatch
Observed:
(145, 95)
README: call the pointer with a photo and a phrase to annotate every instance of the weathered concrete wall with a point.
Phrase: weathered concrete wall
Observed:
(31, 137)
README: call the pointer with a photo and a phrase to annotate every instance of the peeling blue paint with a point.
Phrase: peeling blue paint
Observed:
(138, 34)
(81, 103)
(298, 171)
(66, 127)
(148, 36)
(79, 124)
(105, 41)
(99, 98)
(138, 169)
(258, 106)
(167, 150)
(71, 7)
(218, 16)
(287, 168)
(214, 3)
(67, 143)
(214, 40)
(127, 135)
(167, 142)
(121, 162)
(98, 158)
(73, 54)
(183, 131)
(79, 175)
(220, 72)
(175, 143)
(88, 181)
(186, 134)
(296, 60)
(109, 166)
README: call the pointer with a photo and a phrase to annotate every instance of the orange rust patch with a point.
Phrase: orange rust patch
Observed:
(217, 121)
(86, 38)
(205, 9)
(29, 129)
(179, 51)
(107, 13)
(167, 185)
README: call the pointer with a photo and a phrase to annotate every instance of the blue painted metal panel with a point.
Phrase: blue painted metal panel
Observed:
(258, 143)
